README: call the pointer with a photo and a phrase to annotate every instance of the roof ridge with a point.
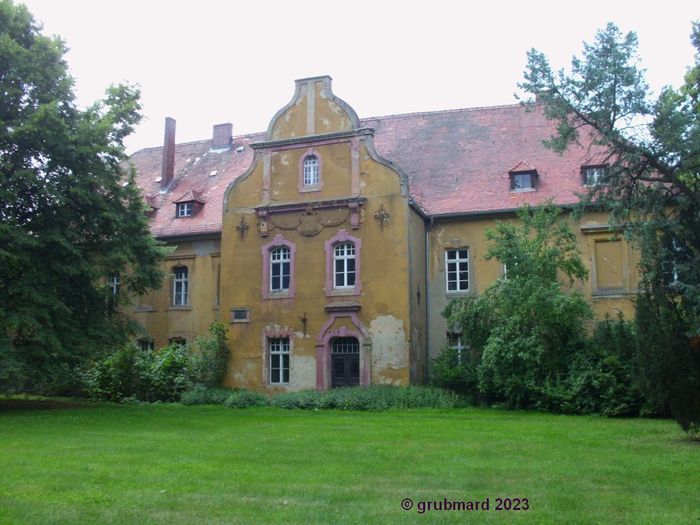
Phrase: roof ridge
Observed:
(364, 119)
(440, 111)
(199, 141)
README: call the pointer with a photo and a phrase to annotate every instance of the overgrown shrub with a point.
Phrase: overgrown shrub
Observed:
(164, 374)
(201, 395)
(668, 363)
(375, 397)
(171, 372)
(524, 330)
(121, 375)
(245, 398)
(601, 379)
(211, 354)
(132, 373)
(457, 373)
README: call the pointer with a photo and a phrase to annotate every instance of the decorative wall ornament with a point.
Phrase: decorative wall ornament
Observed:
(263, 224)
(309, 222)
(382, 216)
(242, 227)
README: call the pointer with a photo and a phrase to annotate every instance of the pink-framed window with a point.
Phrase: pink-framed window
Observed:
(278, 258)
(278, 354)
(310, 166)
(343, 264)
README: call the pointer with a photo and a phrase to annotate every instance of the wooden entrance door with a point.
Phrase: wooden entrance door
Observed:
(345, 361)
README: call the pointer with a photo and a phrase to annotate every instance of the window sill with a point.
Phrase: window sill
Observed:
(310, 189)
(181, 308)
(613, 294)
(456, 293)
(349, 292)
(279, 295)
(523, 190)
(145, 309)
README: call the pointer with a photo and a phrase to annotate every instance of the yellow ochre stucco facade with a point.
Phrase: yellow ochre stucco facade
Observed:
(322, 243)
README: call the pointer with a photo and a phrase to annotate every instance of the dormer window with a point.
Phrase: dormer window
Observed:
(593, 175)
(184, 209)
(189, 204)
(523, 181)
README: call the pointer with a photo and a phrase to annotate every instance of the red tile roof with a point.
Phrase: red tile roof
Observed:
(201, 174)
(456, 161)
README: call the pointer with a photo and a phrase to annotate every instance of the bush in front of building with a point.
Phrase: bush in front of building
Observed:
(374, 397)
(524, 330)
(120, 375)
(202, 395)
(211, 354)
(602, 378)
(241, 398)
(144, 375)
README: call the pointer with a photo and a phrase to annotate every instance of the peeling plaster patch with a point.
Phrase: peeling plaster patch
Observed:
(202, 248)
(246, 373)
(302, 373)
(389, 348)
(301, 335)
(284, 159)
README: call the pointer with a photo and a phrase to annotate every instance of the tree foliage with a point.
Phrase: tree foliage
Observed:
(70, 215)
(524, 329)
(651, 187)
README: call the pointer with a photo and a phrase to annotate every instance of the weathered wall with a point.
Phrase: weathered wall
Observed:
(612, 263)
(418, 295)
(359, 196)
(155, 312)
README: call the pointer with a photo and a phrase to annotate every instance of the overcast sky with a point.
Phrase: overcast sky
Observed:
(205, 62)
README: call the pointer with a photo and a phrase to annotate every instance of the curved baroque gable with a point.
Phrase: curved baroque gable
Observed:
(313, 110)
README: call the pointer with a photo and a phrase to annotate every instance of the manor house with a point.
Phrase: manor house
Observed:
(329, 245)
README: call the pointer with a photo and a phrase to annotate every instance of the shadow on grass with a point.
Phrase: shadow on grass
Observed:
(41, 404)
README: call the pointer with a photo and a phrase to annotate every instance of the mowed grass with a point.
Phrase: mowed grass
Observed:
(174, 464)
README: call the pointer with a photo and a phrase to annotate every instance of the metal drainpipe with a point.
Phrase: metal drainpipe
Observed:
(427, 299)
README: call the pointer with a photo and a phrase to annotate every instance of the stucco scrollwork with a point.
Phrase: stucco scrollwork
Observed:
(310, 222)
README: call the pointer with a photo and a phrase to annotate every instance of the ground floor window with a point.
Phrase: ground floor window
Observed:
(146, 344)
(455, 342)
(278, 348)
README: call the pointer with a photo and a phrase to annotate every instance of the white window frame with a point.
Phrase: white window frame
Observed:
(454, 257)
(311, 167)
(516, 176)
(114, 283)
(344, 252)
(280, 258)
(279, 359)
(181, 286)
(459, 347)
(592, 175)
(185, 209)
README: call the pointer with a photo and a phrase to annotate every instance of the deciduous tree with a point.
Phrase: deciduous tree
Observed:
(70, 215)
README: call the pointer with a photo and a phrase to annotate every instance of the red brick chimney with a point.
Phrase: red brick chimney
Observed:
(223, 136)
(168, 153)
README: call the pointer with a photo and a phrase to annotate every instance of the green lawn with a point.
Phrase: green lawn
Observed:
(174, 464)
